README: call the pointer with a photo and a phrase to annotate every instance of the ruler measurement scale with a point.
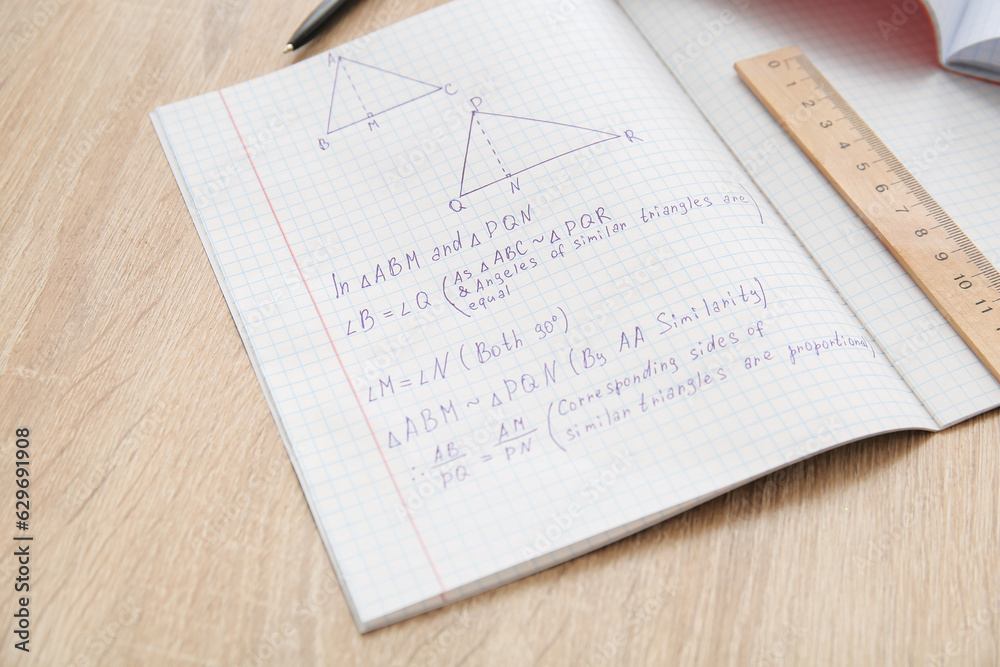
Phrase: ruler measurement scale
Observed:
(910, 223)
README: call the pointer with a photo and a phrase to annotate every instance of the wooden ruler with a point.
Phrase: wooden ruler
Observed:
(948, 267)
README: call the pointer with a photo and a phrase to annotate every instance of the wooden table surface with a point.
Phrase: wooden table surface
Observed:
(169, 527)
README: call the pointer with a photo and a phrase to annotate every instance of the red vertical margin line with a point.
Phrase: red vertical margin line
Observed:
(340, 361)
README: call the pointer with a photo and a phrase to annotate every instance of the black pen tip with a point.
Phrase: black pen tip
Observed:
(288, 47)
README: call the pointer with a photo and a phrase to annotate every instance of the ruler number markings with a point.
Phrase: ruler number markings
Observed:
(930, 246)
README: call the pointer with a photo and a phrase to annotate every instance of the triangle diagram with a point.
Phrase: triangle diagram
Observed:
(361, 92)
(501, 146)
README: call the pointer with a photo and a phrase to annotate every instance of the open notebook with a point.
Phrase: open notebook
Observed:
(968, 33)
(511, 297)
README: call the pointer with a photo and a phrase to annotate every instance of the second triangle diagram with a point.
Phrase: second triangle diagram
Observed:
(361, 92)
(501, 146)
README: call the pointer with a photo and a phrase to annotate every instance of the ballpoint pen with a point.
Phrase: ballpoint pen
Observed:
(313, 23)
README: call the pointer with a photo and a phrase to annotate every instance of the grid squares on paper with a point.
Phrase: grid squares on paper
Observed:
(293, 213)
(910, 109)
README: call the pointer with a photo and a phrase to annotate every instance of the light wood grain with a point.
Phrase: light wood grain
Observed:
(170, 529)
(952, 272)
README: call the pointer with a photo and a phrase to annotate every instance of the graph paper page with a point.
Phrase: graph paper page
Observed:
(942, 126)
(977, 40)
(980, 23)
(509, 297)
(948, 16)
